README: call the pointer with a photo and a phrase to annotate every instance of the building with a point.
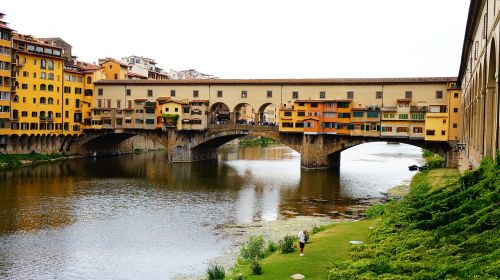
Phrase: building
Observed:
(478, 81)
(65, 46)
(7, 79)
(144, 67)
(114, 69)
(190, 74)
(38, 105)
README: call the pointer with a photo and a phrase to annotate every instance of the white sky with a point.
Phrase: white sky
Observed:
(259, 38)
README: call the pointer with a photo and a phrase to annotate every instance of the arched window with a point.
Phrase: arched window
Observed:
(43, 87)
(50, 114)
(51, 88)
(51, 65)
(43, 75)
(89, 80)
(51, 76)
(16, 99)
(42, 100)
(42, 114)
(43, 64)
(50, 100)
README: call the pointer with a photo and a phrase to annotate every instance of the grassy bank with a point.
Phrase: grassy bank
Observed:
(325, 247)
(446, 228)
(14, 160)
(260, 141)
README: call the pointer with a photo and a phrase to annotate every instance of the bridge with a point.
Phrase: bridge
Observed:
(317, 151)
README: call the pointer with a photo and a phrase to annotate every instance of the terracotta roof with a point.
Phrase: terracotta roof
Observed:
(342, 81)
(197, 100)
(132, 74)
(35, 41)
(4, 26)
(107, 59)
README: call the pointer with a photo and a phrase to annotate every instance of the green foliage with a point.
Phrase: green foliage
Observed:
(256, 268)
(271, 247)
(216, 272)
(287, 244)
(172, 117)
(15, 160)
(259, 141)
(375, 211)
(253, 249)
(138, 151)
(433, 160)
(319, 228)
(451, 232)
(240, 277)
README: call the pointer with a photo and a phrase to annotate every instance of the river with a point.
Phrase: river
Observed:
(139, 217)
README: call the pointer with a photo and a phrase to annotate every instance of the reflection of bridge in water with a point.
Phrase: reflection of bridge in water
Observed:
(317, 151)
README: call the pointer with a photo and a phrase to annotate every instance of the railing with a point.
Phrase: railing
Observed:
(418, 109)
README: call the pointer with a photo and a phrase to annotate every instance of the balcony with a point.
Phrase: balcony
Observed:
(150, 104)
(418, 109)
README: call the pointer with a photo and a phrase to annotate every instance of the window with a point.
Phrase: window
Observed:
(350, 95)
(403, 116)
(77, 103)
(172, 93)
(357, 114)
(372, 114)
(288, 114)
(26, 73)
(386, 129)
(43, 100)
(476, 50)
(302, 114)
(118, 104)
(329, 115)
(439, 94)
(418, 129)
(66, 101)
(67, 89)
(455, 125)
(78, 90)
(100, 91)
(430, 132)
(150, 93)
(129, 92)
(99, 103)
(244, 94)
(408, 95)
(66, 114)
(443, 132)
(24, 113)
(176, 110)
(344, 115)
(109, 103)
(287, 124)
(50, 100)
(43, 64)
(34, 114)
(455, 110)
(417, 116)
(50, 88)
(43, 87)
(402, 129)
(379, 94)
(322, 95)
(89, 80)
(343, 105)
(51, 65)
(51, 76)
(116, 76)
(444, 121)
(196, 94)
(269, 94)
(43, 75)
(295, 95)
(24, 86)
(219, 93)
(299, 125)
(455, 95)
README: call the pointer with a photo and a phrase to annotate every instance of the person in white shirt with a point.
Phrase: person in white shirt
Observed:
(302, 241)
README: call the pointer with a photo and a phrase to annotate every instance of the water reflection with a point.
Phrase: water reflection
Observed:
(138, 216)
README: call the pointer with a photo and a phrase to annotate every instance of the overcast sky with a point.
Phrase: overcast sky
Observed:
(259, 38)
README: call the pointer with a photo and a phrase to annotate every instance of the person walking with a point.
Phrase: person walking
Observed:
(302, 241)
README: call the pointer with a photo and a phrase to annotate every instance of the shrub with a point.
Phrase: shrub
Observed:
(317, 229)
(240, 277)
(253, 249)
(375, 211)
(256, 268)
(271, 247)
(216, 272)
(286, 244)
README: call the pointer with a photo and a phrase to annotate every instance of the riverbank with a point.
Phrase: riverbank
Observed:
(9, 161)
(447, 227)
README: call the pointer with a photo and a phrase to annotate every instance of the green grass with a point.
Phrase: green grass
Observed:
(260, 141)
(325, 247)
(433, 160)
(15, 160)
(446, 228)
(436, 178)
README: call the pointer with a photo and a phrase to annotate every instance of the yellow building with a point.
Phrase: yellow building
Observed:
(7, 80)
(172, 112)
(114, 69)
(36, 106)
(454, 112)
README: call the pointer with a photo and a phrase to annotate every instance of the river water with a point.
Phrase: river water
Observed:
(139, 217)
